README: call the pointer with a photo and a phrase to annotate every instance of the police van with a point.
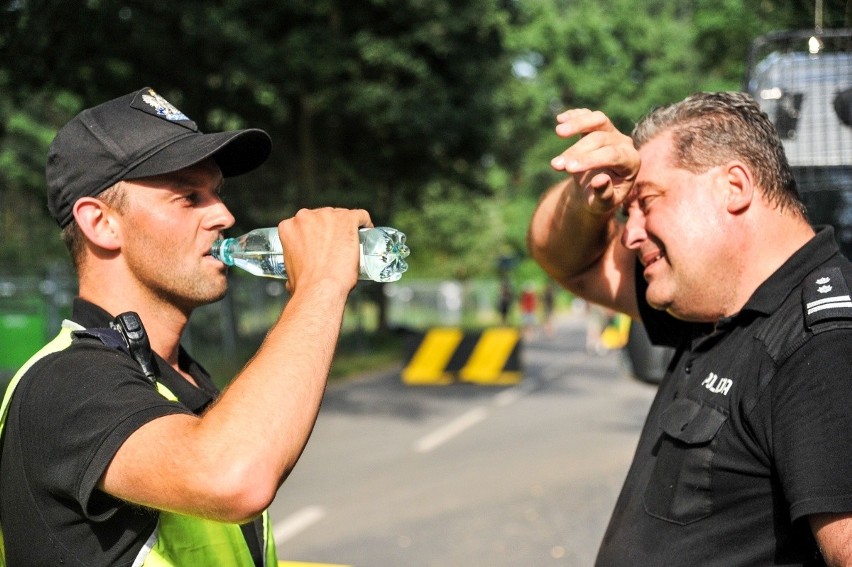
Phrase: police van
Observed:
(803, 81)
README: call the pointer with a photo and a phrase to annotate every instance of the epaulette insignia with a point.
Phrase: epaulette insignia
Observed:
(825, 295)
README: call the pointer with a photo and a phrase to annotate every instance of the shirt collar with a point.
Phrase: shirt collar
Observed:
(768, 297)
(90, 316)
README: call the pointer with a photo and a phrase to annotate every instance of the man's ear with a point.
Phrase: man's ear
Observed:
(98, 223)
(740, 186)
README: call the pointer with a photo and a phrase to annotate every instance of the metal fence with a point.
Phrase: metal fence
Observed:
(31, 310)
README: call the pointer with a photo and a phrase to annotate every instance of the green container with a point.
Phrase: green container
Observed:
(23, 324)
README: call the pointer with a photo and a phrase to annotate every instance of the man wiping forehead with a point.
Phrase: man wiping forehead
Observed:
(745, 458)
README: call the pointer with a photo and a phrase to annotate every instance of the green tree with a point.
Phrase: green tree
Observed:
(624, 58)
(408, 107)
(366, 103)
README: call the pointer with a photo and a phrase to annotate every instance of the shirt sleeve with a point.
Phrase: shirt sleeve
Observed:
(77, 409)
(811, 425)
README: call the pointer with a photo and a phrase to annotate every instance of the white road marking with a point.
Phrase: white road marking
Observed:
(512, 395)
(296, 523)
(301, 520)
(450, 430)
(477, 414)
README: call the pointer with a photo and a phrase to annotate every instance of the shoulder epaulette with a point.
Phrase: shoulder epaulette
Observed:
(127, 333)
(825, 297)
(108, 336)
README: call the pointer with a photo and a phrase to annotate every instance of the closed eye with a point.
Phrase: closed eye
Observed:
(645, 202)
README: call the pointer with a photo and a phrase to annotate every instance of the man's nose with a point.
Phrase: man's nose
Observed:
(634, 229)
(220, 217)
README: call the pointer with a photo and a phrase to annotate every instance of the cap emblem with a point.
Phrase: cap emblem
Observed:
(163, 107)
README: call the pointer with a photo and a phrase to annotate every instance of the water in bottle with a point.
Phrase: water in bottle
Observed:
(383, 254)
(259, 252)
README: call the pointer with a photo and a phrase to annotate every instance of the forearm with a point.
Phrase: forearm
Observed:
(833, 533)
(566, 238)
(267, 413)
(228, 464)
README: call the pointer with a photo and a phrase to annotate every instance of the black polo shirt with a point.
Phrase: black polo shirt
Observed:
(68, 417)
(750, 430)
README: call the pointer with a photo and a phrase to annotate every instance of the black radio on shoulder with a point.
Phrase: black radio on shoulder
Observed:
(129, 325)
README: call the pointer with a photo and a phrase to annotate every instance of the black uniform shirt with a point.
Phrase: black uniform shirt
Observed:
(68, 417)
(751, 429)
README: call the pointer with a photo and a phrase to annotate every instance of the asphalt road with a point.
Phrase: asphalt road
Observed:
(463, 475)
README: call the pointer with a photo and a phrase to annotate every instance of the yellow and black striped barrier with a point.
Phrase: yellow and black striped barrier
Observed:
(445, 355)
(616, 332)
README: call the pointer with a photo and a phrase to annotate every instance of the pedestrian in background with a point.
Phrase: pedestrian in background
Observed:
(548, 300)
(529, 304)
(505, 298)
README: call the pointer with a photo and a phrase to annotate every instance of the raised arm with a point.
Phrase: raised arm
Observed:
(574, 233)
(228, 464)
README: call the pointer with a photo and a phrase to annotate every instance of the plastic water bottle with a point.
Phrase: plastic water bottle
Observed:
(259, 252)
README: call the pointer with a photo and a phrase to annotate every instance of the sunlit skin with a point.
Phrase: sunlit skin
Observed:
(154, 251)
(150, 254)
(170, 223)
(678, 226)
(705, 241)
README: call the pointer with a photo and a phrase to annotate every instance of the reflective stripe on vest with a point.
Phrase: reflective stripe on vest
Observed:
(177, 540)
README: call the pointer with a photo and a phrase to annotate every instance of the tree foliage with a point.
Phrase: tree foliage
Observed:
(366, 103)
(435, 115)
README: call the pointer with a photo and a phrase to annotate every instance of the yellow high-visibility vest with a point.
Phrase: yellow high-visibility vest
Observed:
(177, 540)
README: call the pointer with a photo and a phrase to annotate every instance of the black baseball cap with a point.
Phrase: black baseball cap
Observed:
(138, 135)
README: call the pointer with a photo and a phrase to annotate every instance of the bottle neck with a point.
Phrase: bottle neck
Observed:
(221, 250)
